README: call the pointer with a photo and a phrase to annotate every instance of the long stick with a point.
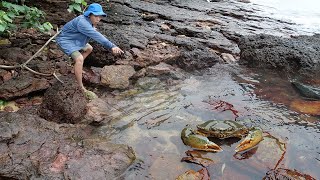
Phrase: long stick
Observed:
(24, 65)
(41, 48)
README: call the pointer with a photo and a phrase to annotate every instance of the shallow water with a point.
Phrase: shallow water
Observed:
(150, 121)
(305, 13)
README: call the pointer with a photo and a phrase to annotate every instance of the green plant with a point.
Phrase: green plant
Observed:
(77, 6)
(27, 17)
(3, 103)
(5, 21)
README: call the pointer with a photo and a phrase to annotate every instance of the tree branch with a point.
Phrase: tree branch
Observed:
(24, 65)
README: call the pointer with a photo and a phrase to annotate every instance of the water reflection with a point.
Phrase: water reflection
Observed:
(151, 122)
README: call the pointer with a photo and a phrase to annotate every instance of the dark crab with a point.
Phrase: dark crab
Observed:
(221, 129)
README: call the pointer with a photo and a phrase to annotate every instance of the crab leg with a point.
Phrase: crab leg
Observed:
(251, 140)
(198, 142)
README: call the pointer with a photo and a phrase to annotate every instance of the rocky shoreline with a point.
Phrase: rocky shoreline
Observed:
(51, 136)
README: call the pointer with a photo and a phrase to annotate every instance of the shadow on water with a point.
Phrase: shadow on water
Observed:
(151, 122)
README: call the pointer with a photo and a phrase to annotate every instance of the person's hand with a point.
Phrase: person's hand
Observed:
(116, 51)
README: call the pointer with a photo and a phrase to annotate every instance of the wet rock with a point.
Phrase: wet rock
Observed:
(281, 173)
(148, 83)
(22, 86)
(40, 149)
(292, 54)
(306, 107)
(191, 174)
(307, 91)
(159, 69)
(98, 110)
(195, 60)
(64, 102)
(117, 76)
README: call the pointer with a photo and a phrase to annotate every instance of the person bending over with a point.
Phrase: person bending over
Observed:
(74, 37)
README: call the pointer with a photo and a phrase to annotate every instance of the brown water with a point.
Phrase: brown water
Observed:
(151, 122)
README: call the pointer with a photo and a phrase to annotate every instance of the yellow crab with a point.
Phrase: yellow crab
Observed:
(221, 129)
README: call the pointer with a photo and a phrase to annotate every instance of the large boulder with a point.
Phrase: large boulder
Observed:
(117, 76)
(297, 53)
(195, 59)
(33, 148)
(64, 102)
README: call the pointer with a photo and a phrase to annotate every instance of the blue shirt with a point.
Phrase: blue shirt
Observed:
(76, 34)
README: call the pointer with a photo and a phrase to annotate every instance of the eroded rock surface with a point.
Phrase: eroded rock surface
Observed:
(64, 102)
(297, 53)
(33, 148)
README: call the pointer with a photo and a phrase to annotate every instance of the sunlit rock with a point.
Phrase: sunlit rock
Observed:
(117, 76)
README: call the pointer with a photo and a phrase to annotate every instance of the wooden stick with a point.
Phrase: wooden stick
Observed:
(24, 65)
(32, 57)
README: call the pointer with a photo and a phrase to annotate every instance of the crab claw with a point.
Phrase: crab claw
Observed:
(251, 140)
(198, 142)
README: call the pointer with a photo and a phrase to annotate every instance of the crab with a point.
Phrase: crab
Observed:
(198, 139)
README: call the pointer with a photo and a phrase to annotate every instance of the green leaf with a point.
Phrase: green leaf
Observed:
(2, 28)
(47, 26)
(3, 102)
(78, 1)
(78, 8)
(11, 15)
(5, 17)
(69, 10)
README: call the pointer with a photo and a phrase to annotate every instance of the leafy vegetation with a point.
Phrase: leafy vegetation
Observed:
(12, 15)
(77, 6)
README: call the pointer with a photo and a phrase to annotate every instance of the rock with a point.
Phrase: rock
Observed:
(92, 75)
(195, 60)
(135, 52)
(164, 27)
(64, 102)
(307, 91)
(148, 83)
(98, 110)
(228, 58)
(244, 1)
(149, 17)
(22, 86)
(117, 76)
(160, 69)
(5, 75)
(14, 55)
(292, 54)
(40, 149)
(306, 107)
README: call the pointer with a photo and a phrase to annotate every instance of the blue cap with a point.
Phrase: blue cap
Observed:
(94, 9)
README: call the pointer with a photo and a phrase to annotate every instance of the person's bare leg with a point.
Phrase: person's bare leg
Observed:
(78, 70)
(87, 51)
(78, 66)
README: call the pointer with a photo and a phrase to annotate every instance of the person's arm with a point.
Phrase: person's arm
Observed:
(86, 28)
